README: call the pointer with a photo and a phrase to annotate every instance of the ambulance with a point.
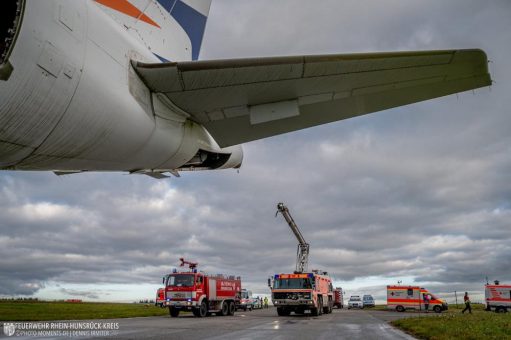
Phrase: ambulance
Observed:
(401, 298)
(498, 297)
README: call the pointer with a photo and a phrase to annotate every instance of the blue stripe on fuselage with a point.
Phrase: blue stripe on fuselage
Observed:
(163, 60)
(192, 21)
(167, 4)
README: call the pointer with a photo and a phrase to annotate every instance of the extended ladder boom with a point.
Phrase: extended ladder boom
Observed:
(302, 253)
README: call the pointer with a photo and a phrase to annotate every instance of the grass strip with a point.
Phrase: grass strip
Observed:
(45, 311)
(454, 325)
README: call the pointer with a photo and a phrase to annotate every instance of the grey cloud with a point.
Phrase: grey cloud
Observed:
(73, 293)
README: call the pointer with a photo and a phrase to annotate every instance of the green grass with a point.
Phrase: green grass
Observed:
(43, 311)
(454, 325)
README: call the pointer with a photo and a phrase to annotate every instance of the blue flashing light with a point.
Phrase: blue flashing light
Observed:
(276, 276)
(174, 270)
(189, 300)
(310, 275)
(195, 270)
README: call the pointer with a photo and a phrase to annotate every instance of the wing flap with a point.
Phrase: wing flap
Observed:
(247, 99)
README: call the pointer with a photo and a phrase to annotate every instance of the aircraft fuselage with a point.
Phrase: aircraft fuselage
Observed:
(73, 102)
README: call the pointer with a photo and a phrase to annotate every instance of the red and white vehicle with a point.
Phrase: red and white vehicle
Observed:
(498, 297)
(338, 298)
(247, 302)
(160, 297)
(201, 293)
(302, 293)
(401, 298)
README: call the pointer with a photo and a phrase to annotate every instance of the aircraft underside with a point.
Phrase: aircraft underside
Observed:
(91, 85)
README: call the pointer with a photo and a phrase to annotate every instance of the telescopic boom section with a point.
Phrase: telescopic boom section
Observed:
(302, 253)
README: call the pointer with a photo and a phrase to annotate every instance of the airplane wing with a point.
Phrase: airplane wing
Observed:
(241, 100)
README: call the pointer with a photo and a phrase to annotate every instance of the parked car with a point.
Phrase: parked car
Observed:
(368, 301)
(355, 302)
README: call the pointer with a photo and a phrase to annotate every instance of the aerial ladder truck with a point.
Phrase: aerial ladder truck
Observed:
(302, 292)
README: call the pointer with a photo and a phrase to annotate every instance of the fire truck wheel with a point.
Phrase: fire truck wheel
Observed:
(174, 312)
(437, 309)
(225, 309)
(232, 308)
(400, 309)
(203, 309)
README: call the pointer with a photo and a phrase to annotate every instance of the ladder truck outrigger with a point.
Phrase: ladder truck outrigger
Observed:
(301, 292)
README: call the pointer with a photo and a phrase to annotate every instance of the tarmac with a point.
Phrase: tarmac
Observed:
(262, 324)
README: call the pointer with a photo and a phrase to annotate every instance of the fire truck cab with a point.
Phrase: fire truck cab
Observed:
(302, 293)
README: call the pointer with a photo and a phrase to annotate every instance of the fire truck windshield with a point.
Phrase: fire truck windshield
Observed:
(181, 280)
(293, 284)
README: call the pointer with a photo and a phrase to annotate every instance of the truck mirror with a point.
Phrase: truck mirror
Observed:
(269, 282)
(163, 280)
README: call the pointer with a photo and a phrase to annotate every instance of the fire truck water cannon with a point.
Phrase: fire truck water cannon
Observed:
(191, 265)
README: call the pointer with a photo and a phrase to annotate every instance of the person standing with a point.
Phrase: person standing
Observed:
(426, 298)
(265, 302)
(466, 298)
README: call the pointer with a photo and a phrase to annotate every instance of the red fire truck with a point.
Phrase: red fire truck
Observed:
(302, 293)
(160, 297)
(338, 298)
(201, 293)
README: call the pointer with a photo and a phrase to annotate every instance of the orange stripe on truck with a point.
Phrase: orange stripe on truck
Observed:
(416, 301)
(403, 301)
(498, 299)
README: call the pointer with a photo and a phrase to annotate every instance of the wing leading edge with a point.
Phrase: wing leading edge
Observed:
(241, 100)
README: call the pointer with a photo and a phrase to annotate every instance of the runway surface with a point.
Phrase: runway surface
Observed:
(264, 324)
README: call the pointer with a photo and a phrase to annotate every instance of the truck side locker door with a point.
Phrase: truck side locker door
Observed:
(212, 289)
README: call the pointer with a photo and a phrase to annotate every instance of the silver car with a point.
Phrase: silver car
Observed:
(355, 302)
(368, 301)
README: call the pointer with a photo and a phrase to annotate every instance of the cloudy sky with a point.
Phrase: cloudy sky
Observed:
(420, 193)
